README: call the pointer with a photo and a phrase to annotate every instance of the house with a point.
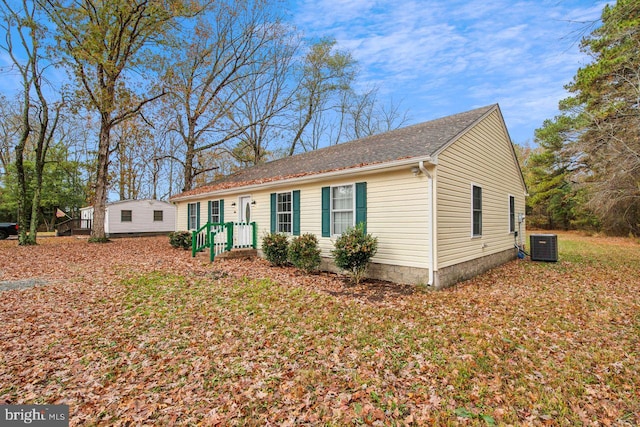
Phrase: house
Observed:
(134, 217)
(445, 198)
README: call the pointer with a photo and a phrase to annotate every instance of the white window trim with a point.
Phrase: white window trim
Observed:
(476, 236)
(353, 206)
(278, 212)
(510, 196)
(194, 214)
(211, 213)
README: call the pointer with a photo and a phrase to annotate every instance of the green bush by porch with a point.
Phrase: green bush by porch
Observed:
(353, 251)
(304, 253)
(275, 248)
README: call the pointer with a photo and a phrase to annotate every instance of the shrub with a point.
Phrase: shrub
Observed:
(304, 253)
(180, 239)
(353, 251)
(275, 247)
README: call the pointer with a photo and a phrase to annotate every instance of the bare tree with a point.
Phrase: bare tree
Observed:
(134, 151)
(355, 116)
(366, 116)
(213, 71)
(103, 42)
(22, 21)
(325, 73)
(265, 105)
(9, 131)
(324, 126)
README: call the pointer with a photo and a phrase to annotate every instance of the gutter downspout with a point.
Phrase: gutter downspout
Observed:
(432, 220)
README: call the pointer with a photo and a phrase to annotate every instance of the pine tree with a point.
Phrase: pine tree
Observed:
(607, 91)
(591, 152)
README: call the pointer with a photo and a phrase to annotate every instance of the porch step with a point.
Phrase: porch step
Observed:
(239, 253)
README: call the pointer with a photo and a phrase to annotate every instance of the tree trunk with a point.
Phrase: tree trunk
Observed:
(42, 147)
(155, 178)
(188, 168)
(22, 193)
(171, 177)
(123, 174)
(303, 126)
(102, 174)
(41, 154)
(33, 225)
(22, 181)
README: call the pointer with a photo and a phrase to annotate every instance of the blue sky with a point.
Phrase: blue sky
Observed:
(442, 57)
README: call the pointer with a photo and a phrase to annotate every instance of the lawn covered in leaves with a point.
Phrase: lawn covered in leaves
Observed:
(135, 332)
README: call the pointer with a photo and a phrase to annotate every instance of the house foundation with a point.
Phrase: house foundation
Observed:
(390, 273)
(453, 274)
(443, 278)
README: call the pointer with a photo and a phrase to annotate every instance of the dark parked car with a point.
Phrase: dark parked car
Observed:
(8, 229)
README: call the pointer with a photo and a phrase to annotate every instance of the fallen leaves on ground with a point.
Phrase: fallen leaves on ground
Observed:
(135, 332)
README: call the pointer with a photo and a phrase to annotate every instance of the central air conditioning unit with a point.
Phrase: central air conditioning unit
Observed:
(544, 247)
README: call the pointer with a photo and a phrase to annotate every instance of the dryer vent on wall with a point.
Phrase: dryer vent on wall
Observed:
(544, 247)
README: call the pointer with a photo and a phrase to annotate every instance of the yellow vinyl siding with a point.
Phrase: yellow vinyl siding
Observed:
(397, 207)
(181, 216)
(182, 211)
(482, 157)
(260, 212)
(396, 214)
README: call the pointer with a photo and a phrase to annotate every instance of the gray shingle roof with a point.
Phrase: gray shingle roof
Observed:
(423, 139)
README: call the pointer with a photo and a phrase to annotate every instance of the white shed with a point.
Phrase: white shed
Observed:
(134, 217)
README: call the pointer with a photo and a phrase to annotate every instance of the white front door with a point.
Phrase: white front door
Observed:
(244, 231)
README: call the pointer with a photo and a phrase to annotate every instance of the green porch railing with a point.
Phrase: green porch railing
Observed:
(223, 237)
(200, 239)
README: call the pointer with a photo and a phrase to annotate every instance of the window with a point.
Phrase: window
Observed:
(477, 210)
(158, 215)
(341, 208)
(125, 216)
(284, 212)
(512, 214)
(192, 216)
(215, 211)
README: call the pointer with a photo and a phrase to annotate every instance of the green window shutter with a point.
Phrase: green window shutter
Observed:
(209, 210)
(361, 204)
(296, 213)
(197, 215)
(188, 216)
(326, 211)
(273, 212)
(222, 210)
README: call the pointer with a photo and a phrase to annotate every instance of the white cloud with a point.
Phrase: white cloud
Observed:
(445, 57)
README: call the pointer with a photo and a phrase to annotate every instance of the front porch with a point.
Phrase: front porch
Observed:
(228, 240)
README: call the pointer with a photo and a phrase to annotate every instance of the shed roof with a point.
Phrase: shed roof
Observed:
(423, 139)
(137, 201)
